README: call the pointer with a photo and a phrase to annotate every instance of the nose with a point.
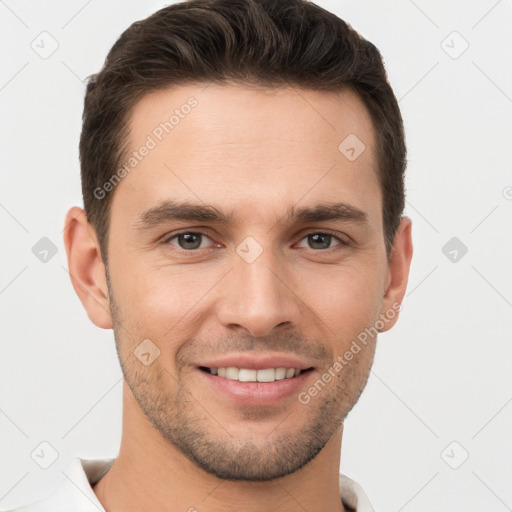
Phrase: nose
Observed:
(258, 296)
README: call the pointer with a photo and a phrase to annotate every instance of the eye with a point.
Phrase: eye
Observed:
(188, 240)
(322, 241)
(192, 240)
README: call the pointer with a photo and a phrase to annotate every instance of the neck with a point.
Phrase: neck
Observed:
(150, 474)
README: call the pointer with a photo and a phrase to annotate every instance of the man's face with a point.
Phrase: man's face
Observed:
(260, 291)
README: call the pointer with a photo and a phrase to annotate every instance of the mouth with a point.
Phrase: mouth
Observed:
(262, 375)
(255, 379)
(256, 387)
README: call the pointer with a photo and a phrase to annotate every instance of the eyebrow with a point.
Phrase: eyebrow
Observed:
(171, 210)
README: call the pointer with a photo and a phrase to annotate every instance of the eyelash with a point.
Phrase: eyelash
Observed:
(342, 243)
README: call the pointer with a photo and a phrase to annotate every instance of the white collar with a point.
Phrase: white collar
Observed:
(75, 490)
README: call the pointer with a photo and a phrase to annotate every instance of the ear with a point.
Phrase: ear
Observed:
(86, 267)
(398, 274)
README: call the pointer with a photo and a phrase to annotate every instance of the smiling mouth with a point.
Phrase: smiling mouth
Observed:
(252, 375)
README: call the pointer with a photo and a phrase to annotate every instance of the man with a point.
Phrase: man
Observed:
(242, 234)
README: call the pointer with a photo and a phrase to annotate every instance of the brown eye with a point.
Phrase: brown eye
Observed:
(188, 241)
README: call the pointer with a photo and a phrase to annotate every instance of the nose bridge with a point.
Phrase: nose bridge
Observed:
(259, 280)
(258, 297)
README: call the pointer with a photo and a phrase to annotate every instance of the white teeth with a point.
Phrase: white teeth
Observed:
(245, 375)
(267, 375)
(280, 373)
(250, 375)
(232, 373)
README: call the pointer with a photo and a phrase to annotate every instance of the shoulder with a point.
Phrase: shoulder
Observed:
(353, 495)
(73, 492)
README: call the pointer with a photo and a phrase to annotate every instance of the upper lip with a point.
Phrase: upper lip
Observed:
(257, 361)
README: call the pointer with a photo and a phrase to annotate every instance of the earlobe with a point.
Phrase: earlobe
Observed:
(86, 268)
(398, 274)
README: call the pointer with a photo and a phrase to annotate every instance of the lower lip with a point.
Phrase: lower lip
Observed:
(256, 393)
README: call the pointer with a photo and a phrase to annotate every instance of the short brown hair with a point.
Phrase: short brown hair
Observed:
(256, 42)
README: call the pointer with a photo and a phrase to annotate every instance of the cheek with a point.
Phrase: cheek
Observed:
(347, 300)
(163, 301)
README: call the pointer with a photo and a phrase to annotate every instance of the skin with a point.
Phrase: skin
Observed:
(256, 152)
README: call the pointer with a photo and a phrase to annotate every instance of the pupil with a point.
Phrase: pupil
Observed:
(187, 239)
(325, 245)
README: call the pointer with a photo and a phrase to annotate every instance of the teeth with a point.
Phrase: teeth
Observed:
(245, 375)
(250, 375)
(267, 375)
(280, 373)
(232, 373)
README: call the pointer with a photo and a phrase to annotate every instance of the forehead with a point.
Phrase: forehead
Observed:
(231, 145)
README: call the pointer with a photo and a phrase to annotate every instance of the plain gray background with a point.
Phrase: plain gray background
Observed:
(432, 429)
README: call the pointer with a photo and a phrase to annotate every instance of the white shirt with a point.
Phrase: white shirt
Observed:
(74, 492)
